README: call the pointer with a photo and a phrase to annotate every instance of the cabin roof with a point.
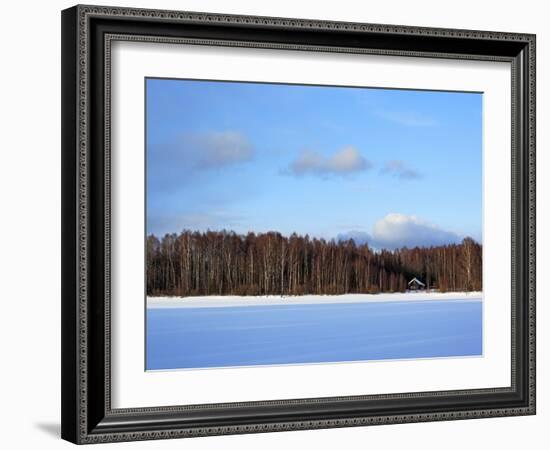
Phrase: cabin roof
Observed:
(417, 281)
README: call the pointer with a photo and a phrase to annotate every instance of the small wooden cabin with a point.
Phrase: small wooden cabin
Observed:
(416, 285)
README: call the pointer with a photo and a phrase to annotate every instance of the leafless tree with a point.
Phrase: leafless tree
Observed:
(225, 263)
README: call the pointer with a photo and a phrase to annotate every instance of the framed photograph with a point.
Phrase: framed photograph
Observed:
(277, 224)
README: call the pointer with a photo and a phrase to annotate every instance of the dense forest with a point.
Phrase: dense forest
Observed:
(226, 263)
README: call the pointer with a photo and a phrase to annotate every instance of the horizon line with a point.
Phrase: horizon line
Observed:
(311, 237)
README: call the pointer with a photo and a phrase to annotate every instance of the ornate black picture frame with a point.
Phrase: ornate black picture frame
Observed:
(87, 34)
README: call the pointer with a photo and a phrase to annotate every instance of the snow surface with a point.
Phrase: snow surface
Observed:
(269, 300)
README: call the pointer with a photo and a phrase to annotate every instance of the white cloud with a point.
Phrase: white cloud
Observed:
(399, 169)
(398, 230)
(346, 161)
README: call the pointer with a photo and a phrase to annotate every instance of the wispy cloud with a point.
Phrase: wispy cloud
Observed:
(400, 169)
(398, 230)
(407, 118)
(359, 237)
(161, 224)
(218, 149)
(175, 163)
(346, 161)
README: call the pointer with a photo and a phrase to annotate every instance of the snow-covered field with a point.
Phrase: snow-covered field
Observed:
(221, 301)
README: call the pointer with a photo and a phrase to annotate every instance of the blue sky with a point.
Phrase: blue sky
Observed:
(391, 167)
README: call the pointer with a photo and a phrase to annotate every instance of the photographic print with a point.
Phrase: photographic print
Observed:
(345, 209)
(308, 224)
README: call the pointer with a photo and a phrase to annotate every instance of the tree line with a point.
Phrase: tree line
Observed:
(226, 263)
